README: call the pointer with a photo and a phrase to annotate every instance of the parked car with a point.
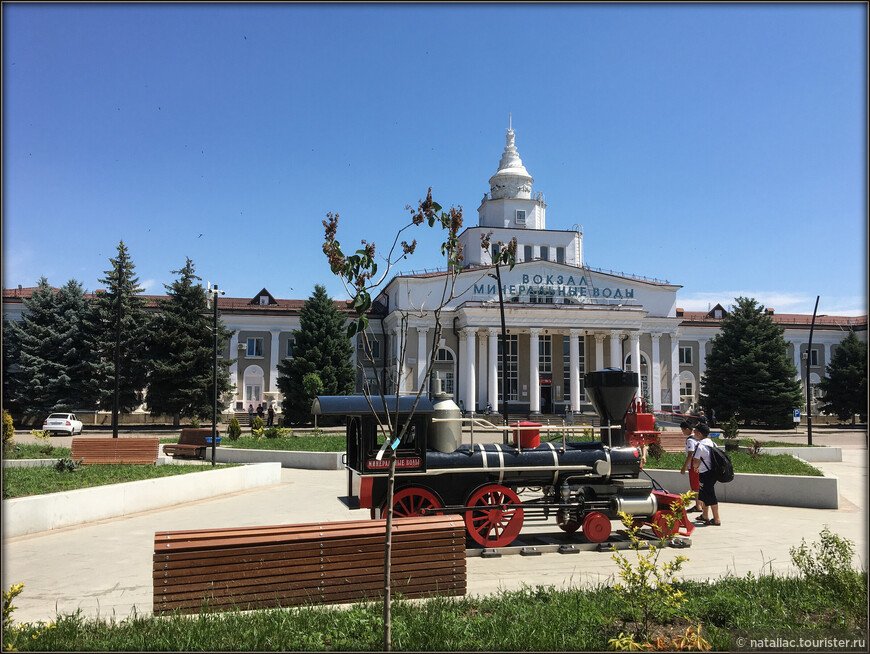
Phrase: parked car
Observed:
(65, 423)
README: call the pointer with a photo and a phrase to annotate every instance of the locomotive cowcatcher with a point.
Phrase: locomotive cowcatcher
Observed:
(497, 486)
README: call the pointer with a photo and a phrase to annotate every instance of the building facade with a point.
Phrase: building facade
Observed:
(562, 319)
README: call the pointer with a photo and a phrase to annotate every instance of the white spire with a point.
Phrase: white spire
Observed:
(511, 180)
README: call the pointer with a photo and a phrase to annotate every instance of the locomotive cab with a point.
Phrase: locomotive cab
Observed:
(366, 434)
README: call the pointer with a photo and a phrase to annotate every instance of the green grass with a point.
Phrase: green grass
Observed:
(768, 464)
(20, 482)
(532, 619)
(325, 443)
(750, 442)
(35, 451)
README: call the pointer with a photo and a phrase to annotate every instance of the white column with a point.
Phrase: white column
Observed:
(482, 367)
(234, 369)
(399, 335)
(656, 374)
(492, 392)
(615, 348)
(470, 368)
(827, 360)
(534, 378)
(273, 363)
(702, 359)
(422, 357)
(675, 372)
(599, 351)
(635, 358)
(574, 367)
(461, 381)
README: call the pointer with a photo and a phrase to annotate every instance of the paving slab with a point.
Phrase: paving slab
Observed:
(104, 568)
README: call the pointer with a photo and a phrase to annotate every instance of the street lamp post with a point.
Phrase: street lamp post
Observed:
(214, 292)
(809, 386)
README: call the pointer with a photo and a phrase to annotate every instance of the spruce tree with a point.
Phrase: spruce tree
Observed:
(48, 361)
(322, 347)
(845, 386)
(749, 373)
(180, 383)
(122, 294)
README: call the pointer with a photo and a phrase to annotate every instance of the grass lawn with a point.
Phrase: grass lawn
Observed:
(19, 482)
(750, 442)
(326, 443)
(768, 464)
(35, 451)
(532, 619)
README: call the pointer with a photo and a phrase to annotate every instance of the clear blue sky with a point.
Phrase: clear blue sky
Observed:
(720, 147)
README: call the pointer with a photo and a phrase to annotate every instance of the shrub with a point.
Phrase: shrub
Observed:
(67, 465)
(8, 429)
(655, 450)
(276, 432)
(194, 422)
(234, 429)
(828, 564)
(731, 429)
(257, 423)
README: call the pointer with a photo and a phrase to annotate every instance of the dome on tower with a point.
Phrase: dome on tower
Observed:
(512, 180)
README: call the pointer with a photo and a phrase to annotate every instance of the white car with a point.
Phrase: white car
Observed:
(66, 423)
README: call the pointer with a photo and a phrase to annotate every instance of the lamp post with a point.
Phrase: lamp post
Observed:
(504, 370)
(809, 386)
(214, 292)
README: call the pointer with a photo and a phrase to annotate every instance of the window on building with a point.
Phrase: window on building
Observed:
(566, 367)
(527, 252)
(545, 354)
(644, 376)
(291, 343)
(717, 313)
(495, 250)
(560, 254)
(545, 253)
(443, 354)
(814, 357)
(446, 377)
(255, 347)
(687, 392)
(512, 368)
(521, 217)
(686, 355)
(370, 346)
(264, 300)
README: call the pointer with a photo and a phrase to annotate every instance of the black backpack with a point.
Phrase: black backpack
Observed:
(721, 466)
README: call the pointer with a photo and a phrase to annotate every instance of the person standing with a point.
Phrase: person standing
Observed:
(261, 414)
(694, 482)
(250, 414)
(270, 414)
(704, 465)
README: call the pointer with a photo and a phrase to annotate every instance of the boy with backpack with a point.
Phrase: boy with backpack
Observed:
(703, 462)
(694, 482)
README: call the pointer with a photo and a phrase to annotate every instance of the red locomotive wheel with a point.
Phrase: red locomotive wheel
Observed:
(660, 526)
(489, 524)
(596, 527)
(409, 501)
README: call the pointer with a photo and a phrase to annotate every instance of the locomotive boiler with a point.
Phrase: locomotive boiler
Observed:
(497, 486)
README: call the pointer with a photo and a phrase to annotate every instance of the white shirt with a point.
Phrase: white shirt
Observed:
(691, 445)
(702, 454)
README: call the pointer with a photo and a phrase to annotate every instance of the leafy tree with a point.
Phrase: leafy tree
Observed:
(48, 358)
(180, 383)
(748, 371)
(845, 387)
(322, 347)
(122, 293)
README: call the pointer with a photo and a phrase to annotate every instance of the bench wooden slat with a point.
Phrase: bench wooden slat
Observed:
(115, 450)
(284, 565)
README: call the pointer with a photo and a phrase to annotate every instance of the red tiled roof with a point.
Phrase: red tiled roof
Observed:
(781, 318)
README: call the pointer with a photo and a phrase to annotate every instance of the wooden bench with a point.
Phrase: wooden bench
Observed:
(115, 450)
(191, 443)
(319, 563)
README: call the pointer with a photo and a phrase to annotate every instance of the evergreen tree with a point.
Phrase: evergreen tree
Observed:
(322, 347)
(748, 371)
(48, 360)
(845, 387)
(122, 293)
(180, 383)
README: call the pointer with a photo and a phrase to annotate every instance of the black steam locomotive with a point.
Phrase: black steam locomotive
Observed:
(584, 485)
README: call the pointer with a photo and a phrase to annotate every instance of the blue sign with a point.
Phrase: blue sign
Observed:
(797, 415)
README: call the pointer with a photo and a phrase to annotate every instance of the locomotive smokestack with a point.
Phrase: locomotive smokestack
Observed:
(611, 391)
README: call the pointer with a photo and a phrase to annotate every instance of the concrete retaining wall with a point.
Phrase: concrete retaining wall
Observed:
(774, 490)
(287, 459)
(28, 515)
(806, 453)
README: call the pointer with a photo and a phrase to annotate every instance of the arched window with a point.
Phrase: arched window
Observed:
(444, 369)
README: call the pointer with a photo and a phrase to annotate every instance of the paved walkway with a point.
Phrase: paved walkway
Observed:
(104, 568)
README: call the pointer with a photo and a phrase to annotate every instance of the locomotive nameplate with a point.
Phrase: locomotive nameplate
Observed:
(401, 462)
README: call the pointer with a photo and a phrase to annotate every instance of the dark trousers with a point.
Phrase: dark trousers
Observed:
(708, 488)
